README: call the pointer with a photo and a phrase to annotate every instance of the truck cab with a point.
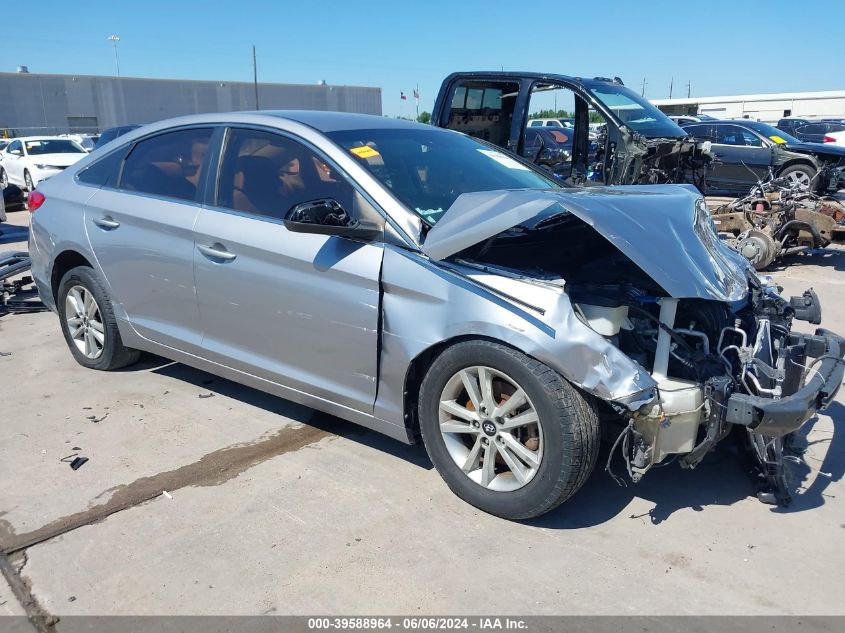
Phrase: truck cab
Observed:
(638, 144)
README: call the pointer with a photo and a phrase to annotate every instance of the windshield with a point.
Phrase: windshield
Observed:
(771, 132)
(52, 146)
(636, 112)
(427, 169)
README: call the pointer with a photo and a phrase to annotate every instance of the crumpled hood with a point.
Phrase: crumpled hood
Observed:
(664, 229)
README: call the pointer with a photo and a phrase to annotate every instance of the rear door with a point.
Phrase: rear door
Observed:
(298, 309)
(141, 232)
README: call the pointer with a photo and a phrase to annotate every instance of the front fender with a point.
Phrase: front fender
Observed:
(424, 304)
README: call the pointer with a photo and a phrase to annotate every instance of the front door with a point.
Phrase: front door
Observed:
(298, 309)
(142, 235)
(742, 158)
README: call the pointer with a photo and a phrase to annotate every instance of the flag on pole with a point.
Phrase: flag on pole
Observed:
(402, 96)
(417, 95)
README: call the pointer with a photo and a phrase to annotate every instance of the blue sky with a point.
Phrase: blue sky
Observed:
(722, 47)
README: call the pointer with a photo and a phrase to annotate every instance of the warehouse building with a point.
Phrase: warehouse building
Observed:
(33, 103)
(769, 108)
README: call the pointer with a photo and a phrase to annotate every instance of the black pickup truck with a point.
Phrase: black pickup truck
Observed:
(638, 144)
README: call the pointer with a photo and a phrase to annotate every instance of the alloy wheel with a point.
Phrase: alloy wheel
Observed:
(799, 178)
(491, 429)
(84, 322)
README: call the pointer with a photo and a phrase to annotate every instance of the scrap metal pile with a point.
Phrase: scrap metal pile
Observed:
(18, 294)
(780, 217)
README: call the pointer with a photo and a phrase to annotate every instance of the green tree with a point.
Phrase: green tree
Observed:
(424, 117)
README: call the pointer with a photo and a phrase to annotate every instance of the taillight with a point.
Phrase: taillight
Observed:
(34, 201)
(829, 139)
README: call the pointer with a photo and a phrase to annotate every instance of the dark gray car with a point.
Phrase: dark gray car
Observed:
(410, 279)
(745, 152)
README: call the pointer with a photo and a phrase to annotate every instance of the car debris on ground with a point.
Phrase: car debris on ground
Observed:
(779, 217)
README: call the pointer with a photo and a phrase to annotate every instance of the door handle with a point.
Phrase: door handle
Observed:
(216, 251)
(107, 223)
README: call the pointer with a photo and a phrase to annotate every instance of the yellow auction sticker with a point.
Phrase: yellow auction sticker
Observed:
(778, 139)
(365, 151)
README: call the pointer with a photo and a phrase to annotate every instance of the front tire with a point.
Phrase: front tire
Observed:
(4, 179)
(507, 433)
(88, 322)
(798, 174)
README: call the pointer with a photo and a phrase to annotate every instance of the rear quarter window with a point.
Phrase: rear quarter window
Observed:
(104, 172)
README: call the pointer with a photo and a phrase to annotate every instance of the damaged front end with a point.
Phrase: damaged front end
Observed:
(643, 268)
(627, 158)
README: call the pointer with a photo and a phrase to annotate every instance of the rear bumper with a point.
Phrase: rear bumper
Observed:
(779, 417)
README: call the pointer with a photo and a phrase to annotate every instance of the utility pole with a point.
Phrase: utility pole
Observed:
(114, 39)
(689, 88)
(255, 76)
(671, 82)
(642, 93)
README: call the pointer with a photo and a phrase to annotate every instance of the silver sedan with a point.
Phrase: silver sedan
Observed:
(424, 283)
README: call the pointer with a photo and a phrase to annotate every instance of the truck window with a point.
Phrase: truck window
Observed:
(484, 109)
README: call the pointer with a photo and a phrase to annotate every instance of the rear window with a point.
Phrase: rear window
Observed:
(105, 172)
(41, 147)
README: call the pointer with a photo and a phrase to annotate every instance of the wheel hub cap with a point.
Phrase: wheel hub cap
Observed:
(84, 322)
(491, 429)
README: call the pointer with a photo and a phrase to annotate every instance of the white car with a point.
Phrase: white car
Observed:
(838, 138)
(87, 141)
(551, 123)
(30, 159)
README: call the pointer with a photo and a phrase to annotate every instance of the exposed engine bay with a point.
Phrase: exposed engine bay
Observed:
(717, 364)
(626, 158)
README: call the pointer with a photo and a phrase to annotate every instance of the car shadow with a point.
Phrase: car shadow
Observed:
(811, 475)
(825, 257)
(722, 479)
(209, 383)
(10, 233)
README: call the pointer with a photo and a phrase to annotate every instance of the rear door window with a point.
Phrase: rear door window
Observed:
(703, 132)
(168, 165)
(811, 128)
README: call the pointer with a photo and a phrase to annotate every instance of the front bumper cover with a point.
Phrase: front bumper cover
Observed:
(783, 416)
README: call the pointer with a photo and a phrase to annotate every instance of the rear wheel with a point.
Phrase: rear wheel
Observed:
(28, 181)
(507, 433)
(88, 322)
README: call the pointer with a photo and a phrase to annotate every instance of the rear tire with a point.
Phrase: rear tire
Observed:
(28, 181)
(541, 464)
(88, 323)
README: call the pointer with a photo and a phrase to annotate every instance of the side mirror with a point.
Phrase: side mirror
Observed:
(17, 152)
(327, 217)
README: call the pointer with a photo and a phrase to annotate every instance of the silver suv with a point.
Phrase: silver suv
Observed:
(423, 283)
